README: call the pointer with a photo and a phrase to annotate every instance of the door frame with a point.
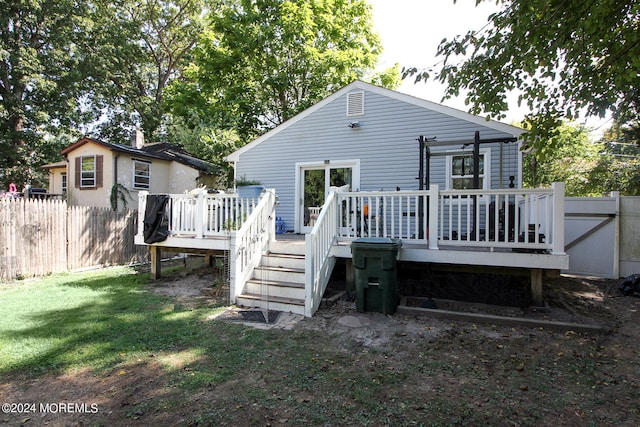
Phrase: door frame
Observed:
(354, 164)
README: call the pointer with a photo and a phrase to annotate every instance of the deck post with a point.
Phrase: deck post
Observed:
(433, 217)
(558, 218)
(234, 267)
(156, 262)
(536, 287)
(349, 275)
(142, 207)
(200, 213)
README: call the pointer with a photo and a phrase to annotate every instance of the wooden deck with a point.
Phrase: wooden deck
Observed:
(474, 228)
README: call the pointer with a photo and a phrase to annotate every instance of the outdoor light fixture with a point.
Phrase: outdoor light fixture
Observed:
(354, 125)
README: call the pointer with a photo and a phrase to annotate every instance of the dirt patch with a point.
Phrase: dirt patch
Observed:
(342, 367)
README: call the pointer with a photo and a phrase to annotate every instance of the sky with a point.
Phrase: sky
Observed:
(411, 31)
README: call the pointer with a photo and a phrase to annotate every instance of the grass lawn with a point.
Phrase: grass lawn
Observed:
(148, 359)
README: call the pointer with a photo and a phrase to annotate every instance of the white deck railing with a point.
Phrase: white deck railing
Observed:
(398, 214)
(250, 241)
(530, 219)
(201, 214)
(318, 263)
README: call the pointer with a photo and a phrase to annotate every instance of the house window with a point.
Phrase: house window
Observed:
(141, 175)
(355, 104)
(64, 182)
(460, 171)
(88, 171)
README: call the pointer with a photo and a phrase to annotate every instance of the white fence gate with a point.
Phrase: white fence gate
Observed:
(602, 235)
(629, 236)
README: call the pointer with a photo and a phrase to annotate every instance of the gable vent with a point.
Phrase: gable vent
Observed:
(355, 104)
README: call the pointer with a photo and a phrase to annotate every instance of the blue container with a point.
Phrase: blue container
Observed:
(279, 225)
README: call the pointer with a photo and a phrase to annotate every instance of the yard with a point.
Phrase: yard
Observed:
(109, 348)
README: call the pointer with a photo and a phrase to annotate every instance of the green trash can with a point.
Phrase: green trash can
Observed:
(375, 273)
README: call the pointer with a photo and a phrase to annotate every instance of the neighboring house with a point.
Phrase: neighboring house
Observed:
(94, 168)
(365, 137)
(57, 177)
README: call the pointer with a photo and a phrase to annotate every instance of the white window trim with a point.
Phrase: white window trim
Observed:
(64, 182)
(484, 152)
(134, 185)
(82, 171)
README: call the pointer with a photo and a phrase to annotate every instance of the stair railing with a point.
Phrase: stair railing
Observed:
(318, 263)
(250, 241)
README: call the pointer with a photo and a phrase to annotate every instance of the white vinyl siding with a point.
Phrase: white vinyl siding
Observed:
(141, 175)
(385, 144)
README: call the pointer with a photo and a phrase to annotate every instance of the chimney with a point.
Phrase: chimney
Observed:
(137, 138)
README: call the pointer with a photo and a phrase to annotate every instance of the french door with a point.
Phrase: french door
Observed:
(316, 180)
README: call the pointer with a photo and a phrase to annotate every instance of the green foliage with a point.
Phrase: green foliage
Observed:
(261, 62)
(562, 57)
(140, 48)
(391, 78)
(543, 167)
(244, 181)
(201, 138)
(587, 168)
(41, 67)
(119, 193)
(619, 163)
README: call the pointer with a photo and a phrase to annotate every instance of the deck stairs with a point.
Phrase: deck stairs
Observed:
(277, 282)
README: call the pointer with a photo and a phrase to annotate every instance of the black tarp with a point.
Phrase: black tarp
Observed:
(156, 226)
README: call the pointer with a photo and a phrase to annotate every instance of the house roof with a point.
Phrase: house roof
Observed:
(357, 84)
(162, 151)
(55, 165)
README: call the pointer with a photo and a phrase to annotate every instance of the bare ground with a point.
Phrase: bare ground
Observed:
(497, 375)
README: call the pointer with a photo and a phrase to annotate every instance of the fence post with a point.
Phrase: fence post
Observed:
(558, 218)
(616, 239)
(433, 217)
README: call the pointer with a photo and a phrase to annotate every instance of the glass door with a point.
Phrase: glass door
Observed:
(317, 182)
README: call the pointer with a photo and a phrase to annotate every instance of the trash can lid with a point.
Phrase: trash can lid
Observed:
(375, 241)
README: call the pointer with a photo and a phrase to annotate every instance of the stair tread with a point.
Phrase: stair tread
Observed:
(285, 269)
(277, 283)
(282, 300)
(284, 255)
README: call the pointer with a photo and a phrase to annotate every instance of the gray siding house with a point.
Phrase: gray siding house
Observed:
(365, 137)
(348, 168)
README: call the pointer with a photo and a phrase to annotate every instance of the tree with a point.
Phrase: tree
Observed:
(563, 57)
(41, 79)
(586, 167)
(263, 61)
(618, 167)
(204, 140)
(139, 47)
(572, 162)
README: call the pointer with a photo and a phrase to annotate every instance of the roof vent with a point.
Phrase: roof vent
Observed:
(355, 104)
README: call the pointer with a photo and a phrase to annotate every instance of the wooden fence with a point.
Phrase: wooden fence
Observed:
(39, 237)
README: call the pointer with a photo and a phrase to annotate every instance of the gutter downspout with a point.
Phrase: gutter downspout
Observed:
(115, 180)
